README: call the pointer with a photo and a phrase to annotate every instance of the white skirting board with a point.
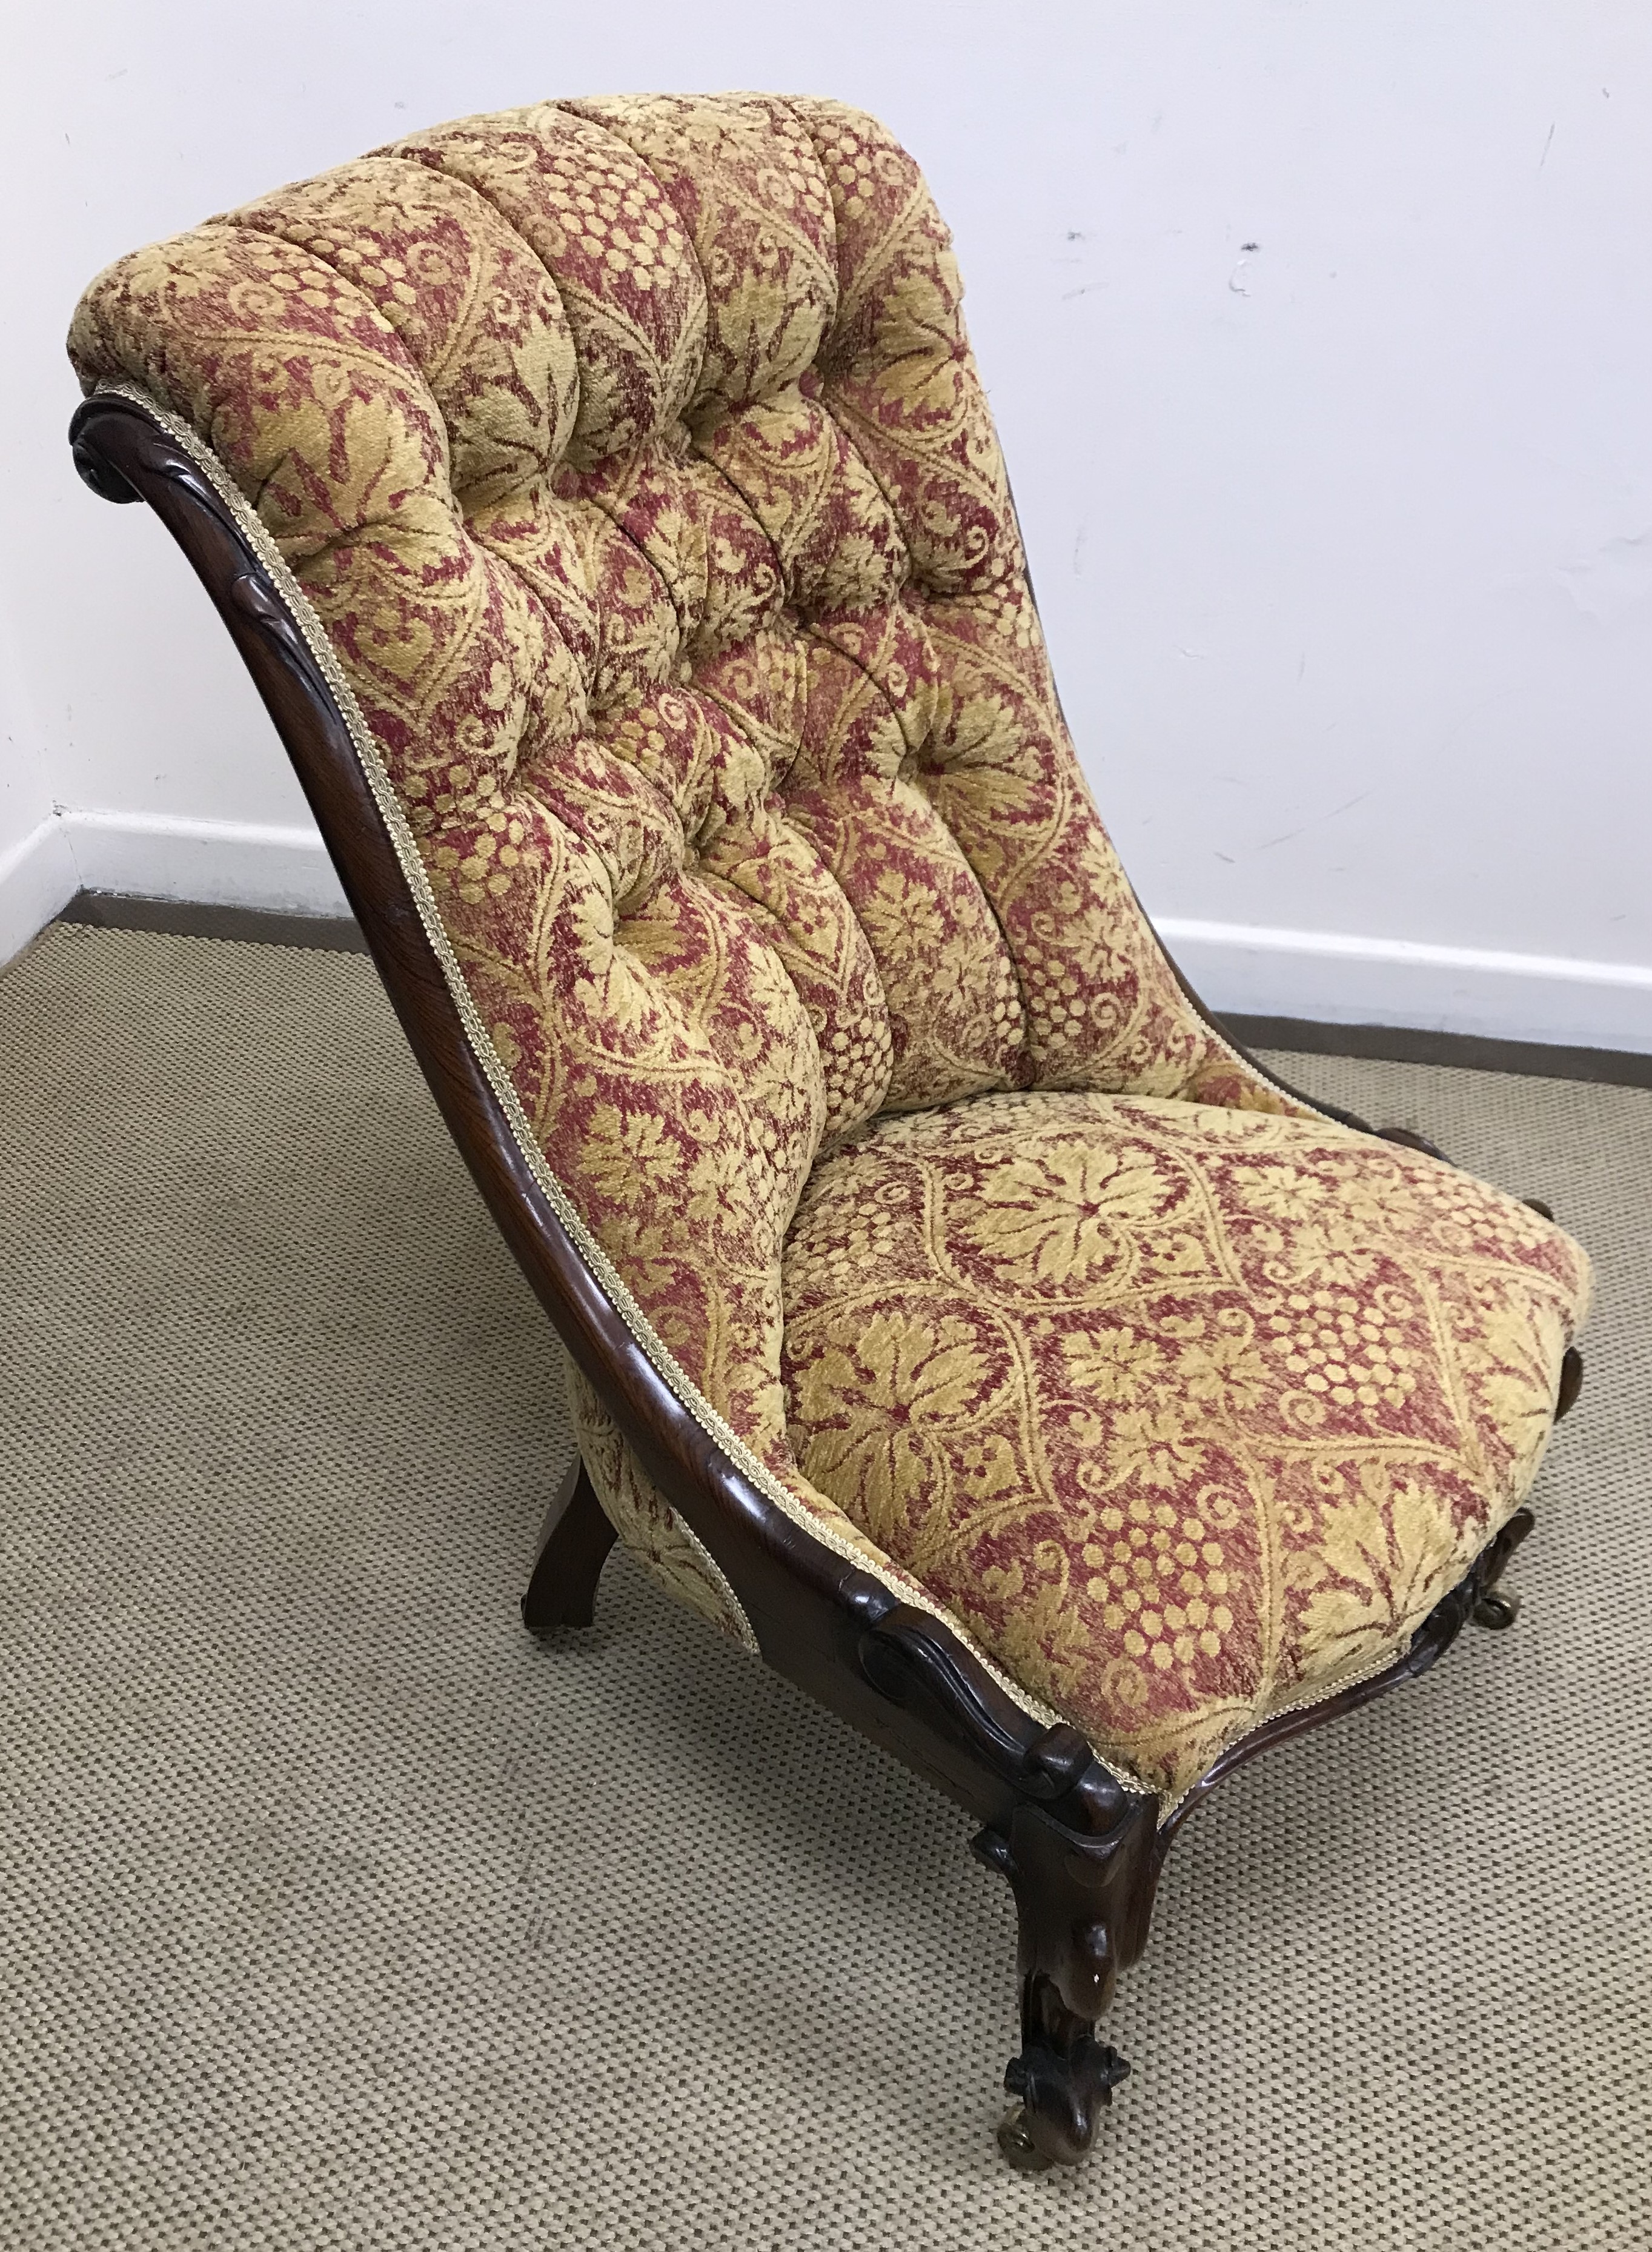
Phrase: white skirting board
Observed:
(1330, 977)
(233, 864)
(1325, 976)
(37, 876)
(282, 869)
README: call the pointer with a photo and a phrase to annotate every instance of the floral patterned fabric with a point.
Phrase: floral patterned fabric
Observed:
(1189, 1413)
(632, 455)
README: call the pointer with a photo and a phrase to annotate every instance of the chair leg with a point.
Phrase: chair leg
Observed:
(1495, 1606)
(1082, 1904)
(1570, 1382)
(572, 1549)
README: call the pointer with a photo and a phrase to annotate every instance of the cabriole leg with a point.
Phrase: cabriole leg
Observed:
(572, 1550)
(1082, 1904)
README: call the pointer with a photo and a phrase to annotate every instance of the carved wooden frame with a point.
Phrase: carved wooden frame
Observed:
(1081, 1852)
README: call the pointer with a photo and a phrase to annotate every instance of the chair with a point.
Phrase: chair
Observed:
(604, 500)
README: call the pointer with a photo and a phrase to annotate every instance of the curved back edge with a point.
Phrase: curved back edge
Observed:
(897, 1672)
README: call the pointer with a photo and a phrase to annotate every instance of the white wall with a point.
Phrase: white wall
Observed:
(36, 870)
(1344, 543)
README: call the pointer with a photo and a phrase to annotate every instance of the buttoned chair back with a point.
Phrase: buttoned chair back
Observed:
(632, 455)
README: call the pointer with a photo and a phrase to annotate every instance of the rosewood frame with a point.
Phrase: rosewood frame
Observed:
(1081, 1852)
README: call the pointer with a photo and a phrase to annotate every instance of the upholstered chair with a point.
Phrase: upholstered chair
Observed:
(605, 501)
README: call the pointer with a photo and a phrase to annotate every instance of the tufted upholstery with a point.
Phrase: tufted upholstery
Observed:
(632, 455)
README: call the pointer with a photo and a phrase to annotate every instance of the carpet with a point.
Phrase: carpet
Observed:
(338, 1913)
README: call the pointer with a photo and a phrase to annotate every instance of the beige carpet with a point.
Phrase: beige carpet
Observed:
(338, 1913)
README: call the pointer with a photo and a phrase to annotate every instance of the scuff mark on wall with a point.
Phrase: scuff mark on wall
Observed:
(1318, 821)
(1609, 583)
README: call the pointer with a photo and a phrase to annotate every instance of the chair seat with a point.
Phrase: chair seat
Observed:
(1189, 1413)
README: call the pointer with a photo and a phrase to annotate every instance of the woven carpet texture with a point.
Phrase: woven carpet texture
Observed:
(339, 1913)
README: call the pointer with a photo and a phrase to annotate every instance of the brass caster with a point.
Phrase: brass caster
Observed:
(1498, 1608)
(1015, 2140)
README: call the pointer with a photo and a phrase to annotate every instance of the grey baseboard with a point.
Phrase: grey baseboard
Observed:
(1297, 1035)
(1463, 1051)
(191, 918)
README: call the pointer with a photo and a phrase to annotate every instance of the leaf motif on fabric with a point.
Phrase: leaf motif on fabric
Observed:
(1062, 1212)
